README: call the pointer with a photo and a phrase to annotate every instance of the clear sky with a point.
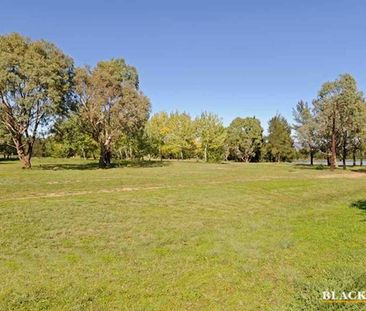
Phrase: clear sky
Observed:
(234, 58)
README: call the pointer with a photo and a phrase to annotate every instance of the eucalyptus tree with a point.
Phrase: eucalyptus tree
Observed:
(210, 133)
(306, 128)
(244, 138)
(337, 106)
(35, 86)
(110, 103)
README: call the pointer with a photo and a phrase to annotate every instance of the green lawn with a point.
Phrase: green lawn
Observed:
(179, 236)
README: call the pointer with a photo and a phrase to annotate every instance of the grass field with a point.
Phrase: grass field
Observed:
(179, 236)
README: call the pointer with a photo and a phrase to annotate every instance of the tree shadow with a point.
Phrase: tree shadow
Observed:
(67, 166)
(359, 170)
(139, 164)
(5, 160)
(95, 165)
(310, 167)
(350, 168)
(360, 204)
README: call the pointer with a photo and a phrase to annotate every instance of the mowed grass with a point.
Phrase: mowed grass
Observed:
(179, 236)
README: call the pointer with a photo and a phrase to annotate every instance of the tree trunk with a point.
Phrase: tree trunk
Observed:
(361, 158)
(206, 159)
(105, 156)
(311, 158)
(344, 151)
(24, 155)
(26, 161)
(84, 154)
(131, 153)
(354, 157)
(333, 157)
(328, 160)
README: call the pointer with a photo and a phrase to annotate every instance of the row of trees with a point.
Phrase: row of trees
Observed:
(39, 87)
(178, 136)
(88, 110)
(50, 107)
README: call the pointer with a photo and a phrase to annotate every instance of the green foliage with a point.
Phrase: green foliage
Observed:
(279, 144)
(131, 147)
(172, 136)
(6, 144)
(244, 139)
(157, 132)
(181, 136)
(69, 133)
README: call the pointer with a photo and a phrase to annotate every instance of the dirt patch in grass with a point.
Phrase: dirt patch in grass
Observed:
(344, 175)
(77, 193)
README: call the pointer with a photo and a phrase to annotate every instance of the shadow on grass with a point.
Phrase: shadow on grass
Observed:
(311, 167)
(350, 168)
(94, 165)
(360, 204)
(359, 170)
(2, 160)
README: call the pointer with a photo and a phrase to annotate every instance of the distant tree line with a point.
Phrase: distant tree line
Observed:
(50, 108)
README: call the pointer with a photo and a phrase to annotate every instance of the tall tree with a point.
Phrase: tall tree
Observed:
(110, 103)
(337, 105)
(280, 146)
(306, 128)
(210, 133)
(35, 84)
(244, 138)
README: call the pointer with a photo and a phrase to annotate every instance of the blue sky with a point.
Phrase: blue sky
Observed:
(233, 58)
